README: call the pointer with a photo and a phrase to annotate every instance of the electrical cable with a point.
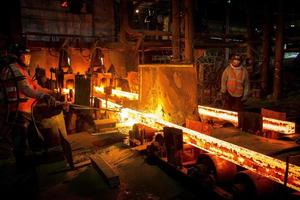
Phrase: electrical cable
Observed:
(34, 121)
(57, 104)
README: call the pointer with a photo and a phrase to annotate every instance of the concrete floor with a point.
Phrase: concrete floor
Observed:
(53, 179)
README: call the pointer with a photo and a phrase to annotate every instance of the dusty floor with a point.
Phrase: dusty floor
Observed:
(53, 179)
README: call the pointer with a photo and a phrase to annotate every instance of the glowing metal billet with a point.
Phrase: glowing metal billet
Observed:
(67, 91)
(110, 105)
(231, 116)
(261, 164)
(119, 93)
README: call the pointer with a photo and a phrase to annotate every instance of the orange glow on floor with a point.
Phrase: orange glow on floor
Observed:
(261, 164)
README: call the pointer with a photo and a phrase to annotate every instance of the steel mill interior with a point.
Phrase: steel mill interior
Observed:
(150, 99)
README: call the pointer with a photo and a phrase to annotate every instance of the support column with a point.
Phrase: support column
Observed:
(123, 20)
(188, 31)
(176, 30)
(278, 52)
(264, 70)
(250, 37)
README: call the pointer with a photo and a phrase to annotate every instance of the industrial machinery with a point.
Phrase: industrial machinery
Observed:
(230, 162)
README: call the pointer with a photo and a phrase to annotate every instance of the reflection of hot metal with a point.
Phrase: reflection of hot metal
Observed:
(266, 166)
(81, 107)
(67, 91)
(231, 116)
(119, 93)
(110, 105)
(227, 115)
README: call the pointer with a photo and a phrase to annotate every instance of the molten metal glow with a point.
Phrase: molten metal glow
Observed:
(227, 115)
(231, 116)
(110, 105)
(278, 125)
(261, 164)
(119, 93)
(99, 89)
(67, 91)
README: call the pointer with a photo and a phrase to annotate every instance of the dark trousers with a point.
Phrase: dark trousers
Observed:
(19, 132)
(232, 103)
(23, 138)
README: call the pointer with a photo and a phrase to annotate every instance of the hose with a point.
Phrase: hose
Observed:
(34, 121)
(57, 104)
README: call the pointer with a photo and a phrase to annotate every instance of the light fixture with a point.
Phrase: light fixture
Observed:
(97, 61)
(64, 3)
(64, 59)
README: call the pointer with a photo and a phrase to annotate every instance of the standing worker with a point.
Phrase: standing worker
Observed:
(20, 116)
(234, 84)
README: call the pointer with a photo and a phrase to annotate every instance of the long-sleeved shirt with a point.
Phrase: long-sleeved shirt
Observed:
(235, 81)
(31, 89)
(28, 89)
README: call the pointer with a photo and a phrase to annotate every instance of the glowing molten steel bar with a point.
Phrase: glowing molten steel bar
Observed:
(110, 105)
(67, 91)
(231, 116)
(261, 164)
(266, 166)
(119, 93)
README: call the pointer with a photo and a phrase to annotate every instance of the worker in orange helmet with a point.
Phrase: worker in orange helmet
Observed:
(20, 113)
(234, 84)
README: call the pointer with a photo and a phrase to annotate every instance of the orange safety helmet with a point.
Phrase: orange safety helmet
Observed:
(236, 57)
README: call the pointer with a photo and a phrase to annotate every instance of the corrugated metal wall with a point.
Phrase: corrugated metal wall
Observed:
(48, 17)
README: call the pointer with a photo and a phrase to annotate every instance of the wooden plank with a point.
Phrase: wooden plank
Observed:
(105, 121)
(105, 170)
(104, 131)
(142, 147)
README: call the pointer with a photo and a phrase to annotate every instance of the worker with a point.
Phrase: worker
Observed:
(234, 84)
(20, 115)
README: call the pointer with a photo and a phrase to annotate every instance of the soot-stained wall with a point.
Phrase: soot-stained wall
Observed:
(169, 91)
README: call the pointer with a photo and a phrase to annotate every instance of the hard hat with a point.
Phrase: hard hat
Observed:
(18, 49)
(235, 57)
